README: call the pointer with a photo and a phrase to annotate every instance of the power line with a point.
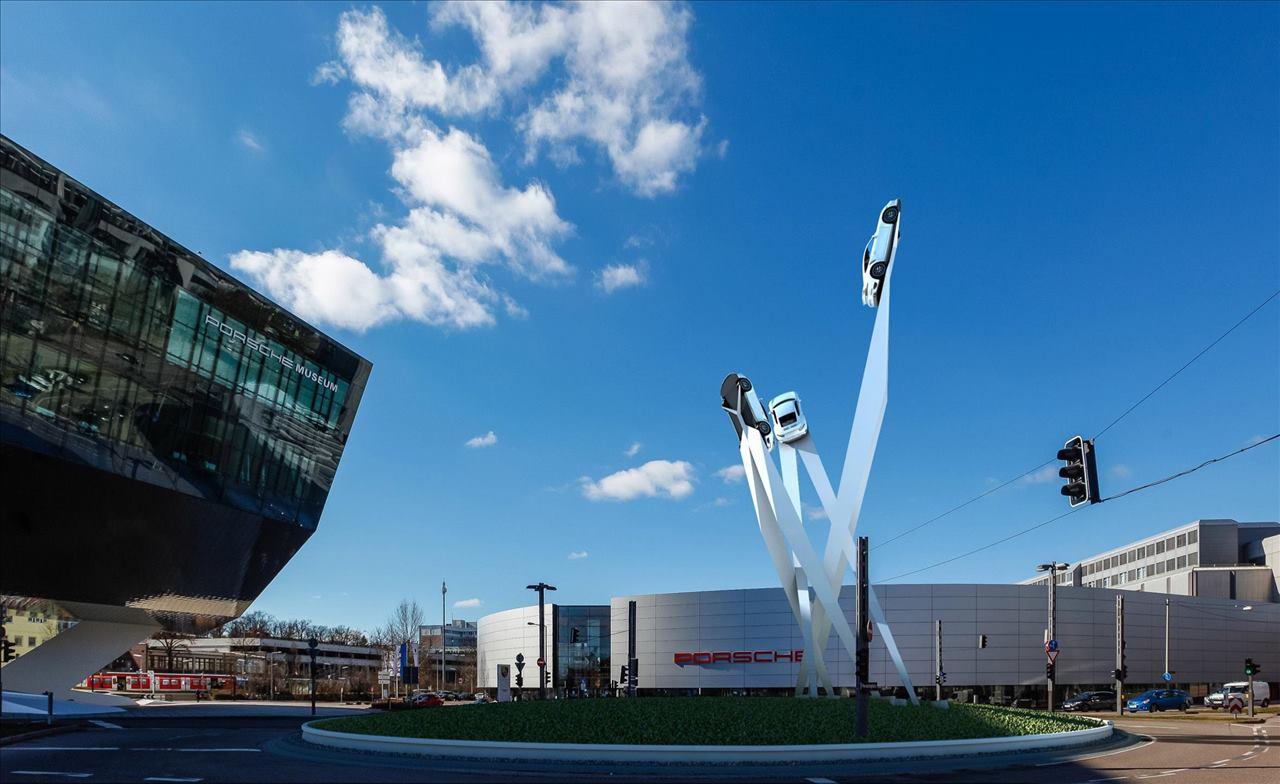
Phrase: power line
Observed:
(1210, 461)
(1188, 363)
(958, 507)
(1113, 422)
(1043, 523)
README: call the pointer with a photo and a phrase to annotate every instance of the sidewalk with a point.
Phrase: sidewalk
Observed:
(240, 708)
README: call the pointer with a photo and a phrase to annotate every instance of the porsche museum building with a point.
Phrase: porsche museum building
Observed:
(747, 641)
(168, 435)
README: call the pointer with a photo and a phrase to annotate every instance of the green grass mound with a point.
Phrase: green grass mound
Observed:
(704, 720)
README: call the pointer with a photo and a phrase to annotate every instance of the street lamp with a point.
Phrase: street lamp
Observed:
(1053, 567)
(542, 588)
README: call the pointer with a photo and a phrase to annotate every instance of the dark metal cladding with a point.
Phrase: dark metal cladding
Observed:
(168, 435)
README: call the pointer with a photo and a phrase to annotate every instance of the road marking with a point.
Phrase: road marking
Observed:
(50, 773)
(820, 781)
(9, 749)
(1223, 762)
(192, 750)
(1161, 775)
(106, 725)
(1148, 742)
(1113, 778)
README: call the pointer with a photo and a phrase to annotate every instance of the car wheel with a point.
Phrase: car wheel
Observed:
(764, 428)
(877, 269)
(1266, 703)
(890, 215)
(744, 384)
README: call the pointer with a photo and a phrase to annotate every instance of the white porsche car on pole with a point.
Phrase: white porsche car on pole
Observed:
(880, 252)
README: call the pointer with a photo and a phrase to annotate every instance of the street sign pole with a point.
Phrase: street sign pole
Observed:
(939, 675)
(312, 644)
(1120, 673)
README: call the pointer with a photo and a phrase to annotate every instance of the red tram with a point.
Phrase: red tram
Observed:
(153, 682)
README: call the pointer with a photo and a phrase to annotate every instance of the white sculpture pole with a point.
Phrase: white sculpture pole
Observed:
(781, 522)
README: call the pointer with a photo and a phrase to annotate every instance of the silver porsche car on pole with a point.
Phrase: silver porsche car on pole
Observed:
(880, 252)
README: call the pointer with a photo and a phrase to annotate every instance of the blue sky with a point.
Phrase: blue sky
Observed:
(573, 228)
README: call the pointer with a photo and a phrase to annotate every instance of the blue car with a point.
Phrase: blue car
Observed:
(1159, 700)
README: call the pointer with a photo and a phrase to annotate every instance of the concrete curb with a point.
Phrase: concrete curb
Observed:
(589, 752)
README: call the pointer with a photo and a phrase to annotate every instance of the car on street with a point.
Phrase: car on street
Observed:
(742, 404)
(425, 699)
(879, 253)
(788, 421)
(1155, 700)
(1090, 701)
(1261, 694)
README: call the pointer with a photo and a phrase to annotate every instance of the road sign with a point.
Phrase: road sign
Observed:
(542, 662)
(1168, 676)
(1051, 646)
(1053, 656)
(384, 677)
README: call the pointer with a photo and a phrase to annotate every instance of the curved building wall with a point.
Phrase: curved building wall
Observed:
(500, 636)
(754, 630)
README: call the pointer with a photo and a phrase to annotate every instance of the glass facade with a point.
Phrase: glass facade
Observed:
(134, 375)
(106, 359)
(581, 654)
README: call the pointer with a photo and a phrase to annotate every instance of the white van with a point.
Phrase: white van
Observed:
(1261, 694)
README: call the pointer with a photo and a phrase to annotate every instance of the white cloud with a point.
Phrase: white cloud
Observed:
(488, 439)
(249, 141)
(634, 449)
(1047, 474)
(722, 149)
(654, 479)
(619, 276)
(463, 604)
(621, 81)
(577, 555)
(814, 512)
(1120, 471)
(721, 501)
(732, 473)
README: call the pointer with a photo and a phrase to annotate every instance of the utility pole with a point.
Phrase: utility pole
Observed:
(444, 591)
(633, 664)
(1051, 641)
(937, 657)
(1166, 637)
(862, 654)
(542, 588)
(1120, 668)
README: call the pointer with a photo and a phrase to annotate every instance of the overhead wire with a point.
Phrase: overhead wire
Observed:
(1110, 425)
(1044, 523)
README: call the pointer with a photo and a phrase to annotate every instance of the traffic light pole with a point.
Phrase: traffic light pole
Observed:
(629, 687)
(862, 655)
(937, 656)
(1120, 673)
(1053, 607)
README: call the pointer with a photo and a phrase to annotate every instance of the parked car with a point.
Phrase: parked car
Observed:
(879, 253)
(742, 404)
(425, 699)
(1090, 701)
(481, 698)
(1261, 694)
(1155, 700)
(789, 423)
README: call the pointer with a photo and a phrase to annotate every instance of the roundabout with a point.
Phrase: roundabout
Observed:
(714, 730)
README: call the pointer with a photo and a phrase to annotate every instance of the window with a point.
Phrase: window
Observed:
(1133, 575)
(1169, 543)
(1182, 562)
(1182, 540)
(1124, 559)
(1133, 556)
(31, 642)
(1193, 559)
(1169, 565)
(1160, 546)
(1193, 536)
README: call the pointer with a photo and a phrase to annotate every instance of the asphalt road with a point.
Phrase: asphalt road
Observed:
(269, 749)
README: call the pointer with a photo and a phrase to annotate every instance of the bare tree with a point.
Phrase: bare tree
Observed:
(170, 643)
(402, 625)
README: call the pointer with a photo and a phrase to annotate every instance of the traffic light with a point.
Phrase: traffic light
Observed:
(1250, 668)
(573, 634)
(622, 678)
(862, 667)
(940, 678)
(6, 647)
(546, 678)
(1080, 471)
(520, 680)
(982, 640)
(1049, 669)
(1117, 675)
